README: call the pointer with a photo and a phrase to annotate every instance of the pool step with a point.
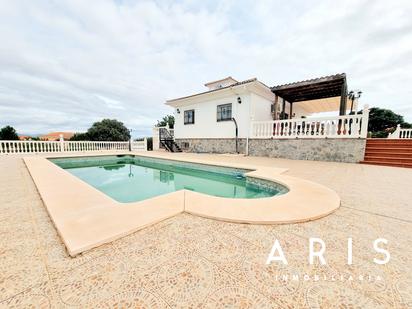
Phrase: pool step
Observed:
(388, 152)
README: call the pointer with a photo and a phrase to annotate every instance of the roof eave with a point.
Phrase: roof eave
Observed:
(214, 91)
(220, 80)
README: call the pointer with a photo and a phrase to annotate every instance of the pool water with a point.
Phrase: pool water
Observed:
(132, 178)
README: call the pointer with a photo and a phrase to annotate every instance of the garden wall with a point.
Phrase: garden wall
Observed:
(325, 149)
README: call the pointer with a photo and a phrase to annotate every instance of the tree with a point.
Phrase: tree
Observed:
(8, 133)
(169, 119)
(80, 137)
(406, 125)
(108, 130)
(383, 121)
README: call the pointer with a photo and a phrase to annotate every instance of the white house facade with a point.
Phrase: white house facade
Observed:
(251, 118)
(214, 110)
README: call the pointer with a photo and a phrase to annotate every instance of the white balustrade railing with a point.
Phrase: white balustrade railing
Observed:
(139, 145)
(24, 147)
(348, 126)
(405, 133)
(29, 146)
(400, 133)
(70, 146)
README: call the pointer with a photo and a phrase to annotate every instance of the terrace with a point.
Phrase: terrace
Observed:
(188, 261)
(295, 103)
(290, 121)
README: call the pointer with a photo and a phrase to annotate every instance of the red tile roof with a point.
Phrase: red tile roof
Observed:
(53, 136)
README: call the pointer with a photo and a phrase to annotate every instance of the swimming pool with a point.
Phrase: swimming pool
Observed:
(86, 217)
(129, 178)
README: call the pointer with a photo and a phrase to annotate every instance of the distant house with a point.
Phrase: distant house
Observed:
(55, 136)
(25, 137)
(278, 121)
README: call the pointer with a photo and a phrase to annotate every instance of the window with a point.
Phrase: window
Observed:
(189, 117)
(224, 112)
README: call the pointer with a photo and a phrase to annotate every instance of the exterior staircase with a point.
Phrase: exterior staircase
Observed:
(170, 145)
(389, 152)
(167, 141)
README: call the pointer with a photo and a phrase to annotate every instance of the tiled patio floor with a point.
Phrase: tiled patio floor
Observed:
(189, 261)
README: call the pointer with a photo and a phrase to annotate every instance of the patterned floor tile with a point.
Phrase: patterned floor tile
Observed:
(192, 262)
(38, 296)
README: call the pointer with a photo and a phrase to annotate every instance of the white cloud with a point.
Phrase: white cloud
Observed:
(66, 64)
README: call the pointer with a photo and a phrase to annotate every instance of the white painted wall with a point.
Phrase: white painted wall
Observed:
(297, 109)
(261, 108)
(206, 125)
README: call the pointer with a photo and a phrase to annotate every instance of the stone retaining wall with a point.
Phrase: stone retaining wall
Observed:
(337, 150)
(212, 145)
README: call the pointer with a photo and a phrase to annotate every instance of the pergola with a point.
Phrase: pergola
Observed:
(314, 91)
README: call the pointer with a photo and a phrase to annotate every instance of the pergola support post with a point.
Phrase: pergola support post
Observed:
(275, 107)
(343, 99)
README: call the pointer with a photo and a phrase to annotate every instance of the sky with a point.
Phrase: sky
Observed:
(66, 64)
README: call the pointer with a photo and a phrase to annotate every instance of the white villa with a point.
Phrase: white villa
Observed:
(252, 118)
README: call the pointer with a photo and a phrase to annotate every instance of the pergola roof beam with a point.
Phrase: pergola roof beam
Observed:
(318, 88)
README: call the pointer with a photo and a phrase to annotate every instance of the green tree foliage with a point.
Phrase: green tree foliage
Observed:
(105, 130)
(80, 137)
(406, 125)
(383, 121)
(8, 133)
(169, 119)
(108, 130)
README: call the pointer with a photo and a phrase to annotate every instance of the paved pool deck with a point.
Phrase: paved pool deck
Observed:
(188, 261)
(86, 218)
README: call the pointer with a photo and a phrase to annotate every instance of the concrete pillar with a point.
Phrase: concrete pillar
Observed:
(156, 140)
(61, 139)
